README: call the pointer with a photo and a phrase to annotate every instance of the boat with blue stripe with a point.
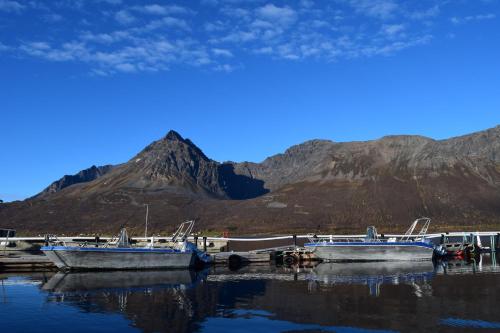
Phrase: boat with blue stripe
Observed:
(121, 255)
(373, 248)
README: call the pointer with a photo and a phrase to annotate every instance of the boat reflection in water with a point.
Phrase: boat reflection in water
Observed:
(88, 281)
(374, 274)
(330, 297)
(149, 300)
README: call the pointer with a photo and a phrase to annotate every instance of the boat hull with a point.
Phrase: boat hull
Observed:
(416, 251)
(75, 258)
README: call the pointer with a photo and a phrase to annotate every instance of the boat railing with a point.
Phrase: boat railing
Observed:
(51, 239)
(326, 240)
(7, 233)
(423, 231)
(183, 231)
(373, 237)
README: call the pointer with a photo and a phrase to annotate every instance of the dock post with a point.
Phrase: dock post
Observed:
(204, 243)
(196, 241)
(442, 239)
(492, 243)
(46, 240)
(497, 241)
(473, 243)
(295, 241)
(96, 241)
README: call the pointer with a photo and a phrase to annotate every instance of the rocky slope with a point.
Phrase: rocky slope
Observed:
(315, 185)
(83, 176)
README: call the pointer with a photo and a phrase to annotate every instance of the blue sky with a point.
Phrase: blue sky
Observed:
(93, 82)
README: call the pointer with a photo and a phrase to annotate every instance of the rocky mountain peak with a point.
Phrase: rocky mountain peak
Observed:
(173, 136)
(348, 185)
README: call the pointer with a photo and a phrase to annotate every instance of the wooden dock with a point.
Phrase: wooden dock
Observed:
(235, 258)
(25, 262)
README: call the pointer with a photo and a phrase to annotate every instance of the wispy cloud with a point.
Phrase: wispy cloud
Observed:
(277, 15)
(466, 19)
(124, 17)
(115, 36)
(11, 6)
(381, 9)
(156, 9)
(4, 47)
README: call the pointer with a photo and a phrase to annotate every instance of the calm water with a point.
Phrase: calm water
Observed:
(372, 297)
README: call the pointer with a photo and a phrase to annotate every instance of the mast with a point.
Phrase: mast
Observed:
(146, 229)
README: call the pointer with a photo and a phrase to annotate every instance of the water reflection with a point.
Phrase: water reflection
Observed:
(263, 321)
(329, 297)
(128, 280)
(374, 274)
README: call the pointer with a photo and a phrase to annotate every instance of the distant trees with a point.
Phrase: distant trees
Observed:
(1, 201)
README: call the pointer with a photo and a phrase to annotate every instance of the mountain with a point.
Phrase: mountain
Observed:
(318, 185)
(83, 176)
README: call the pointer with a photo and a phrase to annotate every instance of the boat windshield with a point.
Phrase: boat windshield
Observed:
(123, 239)
(371, 234)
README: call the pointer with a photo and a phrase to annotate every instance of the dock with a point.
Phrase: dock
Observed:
(25, 262)
(232, 251)
(237, 258)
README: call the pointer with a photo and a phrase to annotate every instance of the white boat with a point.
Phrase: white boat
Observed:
(372, 248)
(123, 256)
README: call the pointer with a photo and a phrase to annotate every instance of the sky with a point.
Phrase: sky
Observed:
(92, 82)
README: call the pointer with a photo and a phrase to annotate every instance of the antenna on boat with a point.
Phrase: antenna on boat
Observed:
(146, 229)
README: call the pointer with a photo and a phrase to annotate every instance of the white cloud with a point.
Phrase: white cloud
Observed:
(277, 15)
(480, 17)
(215, 26)
(124, 17)
(222, 52)
(382, 9)
(425, 13)
(105, 38)
(228, 68)
(392, 29)
(53, 17)
(156, 9)
(158, 36)
(11, 6)
(165, 22)
(4, 47)
(126, 67)
(111, 2)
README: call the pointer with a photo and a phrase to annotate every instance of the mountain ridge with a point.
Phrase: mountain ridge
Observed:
(340, 185)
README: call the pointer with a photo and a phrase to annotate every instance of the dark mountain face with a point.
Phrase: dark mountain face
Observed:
(315, 185)
(171, 164)
(83, 176)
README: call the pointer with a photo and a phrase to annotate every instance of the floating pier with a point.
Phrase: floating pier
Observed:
(22, 262)
(12, 257)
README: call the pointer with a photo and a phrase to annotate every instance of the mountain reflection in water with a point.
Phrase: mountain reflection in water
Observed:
(331, 297)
